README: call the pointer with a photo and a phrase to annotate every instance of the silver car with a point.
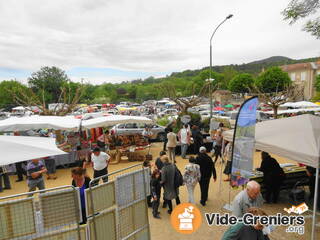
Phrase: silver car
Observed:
(134, 128)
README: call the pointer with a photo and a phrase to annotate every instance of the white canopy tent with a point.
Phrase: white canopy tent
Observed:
(113, 120)
(296, 138)
(65, 123)
(301, 104)
(37, 122)
(297, 110)
(16, 148)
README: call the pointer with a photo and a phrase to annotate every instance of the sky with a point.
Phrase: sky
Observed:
(120, 40)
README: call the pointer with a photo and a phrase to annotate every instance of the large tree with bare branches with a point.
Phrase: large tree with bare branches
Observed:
(185, 102)
(49, 85)
(68, 99)
(274, 87)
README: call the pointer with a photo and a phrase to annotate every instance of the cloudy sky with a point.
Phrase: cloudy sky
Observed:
(116, 40)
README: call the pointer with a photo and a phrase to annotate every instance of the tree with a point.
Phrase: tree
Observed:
(274, 87)
(241, 83)
(298, 9)
(88, 94)
(275, 99)
(218, 78)
(48, 82)
(132, 92)
(68, 99)
(273, 80)
(121, 91)
(228, 73)
(6, 98)
(182, 101)
(318, 83)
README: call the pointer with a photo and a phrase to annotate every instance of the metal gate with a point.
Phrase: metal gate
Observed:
(46, 214)
(118, 208)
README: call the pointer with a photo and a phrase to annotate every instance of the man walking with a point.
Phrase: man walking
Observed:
(184, 139)
(35, 170)
(100, 162)
(207, 170)
(172, 143)
(197, 138)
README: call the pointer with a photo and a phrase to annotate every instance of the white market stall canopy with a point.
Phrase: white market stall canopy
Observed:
(295, 138)
(297, 110)
(69, 123)
(113, 120)
(17, 148)
(38, 122)
(301, 104)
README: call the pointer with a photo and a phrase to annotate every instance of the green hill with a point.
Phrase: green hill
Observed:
(253, 67)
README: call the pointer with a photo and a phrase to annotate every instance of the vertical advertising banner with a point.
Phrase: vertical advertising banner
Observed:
(243, 142)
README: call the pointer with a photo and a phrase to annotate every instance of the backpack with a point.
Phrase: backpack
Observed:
(178, 178)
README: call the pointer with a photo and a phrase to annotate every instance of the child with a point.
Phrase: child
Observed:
(155, 192)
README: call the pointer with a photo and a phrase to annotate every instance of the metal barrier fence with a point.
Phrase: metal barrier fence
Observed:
(116, 210)
(46, 214)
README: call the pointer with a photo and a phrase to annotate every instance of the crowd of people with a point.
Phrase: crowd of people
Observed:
(166, 178)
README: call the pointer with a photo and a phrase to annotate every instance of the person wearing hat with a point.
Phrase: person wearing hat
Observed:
(207, 171)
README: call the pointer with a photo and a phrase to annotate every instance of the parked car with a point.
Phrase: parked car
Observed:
(113, 111)
(4, 115)
(134, 128)
(204, 114)
(261, 116)
(170, 111)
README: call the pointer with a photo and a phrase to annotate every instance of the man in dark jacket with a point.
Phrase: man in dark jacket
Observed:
(159, 163)
(207, 170)
(197, 138)
(155, 192)
(273, 176)
(5, 176)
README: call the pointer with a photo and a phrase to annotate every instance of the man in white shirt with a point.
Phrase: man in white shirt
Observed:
(184, 138)
(100, 162)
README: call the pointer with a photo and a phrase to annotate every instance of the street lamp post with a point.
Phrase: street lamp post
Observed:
(210, 70)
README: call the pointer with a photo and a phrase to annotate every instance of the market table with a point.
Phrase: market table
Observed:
(133, 153)
(293, 175)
